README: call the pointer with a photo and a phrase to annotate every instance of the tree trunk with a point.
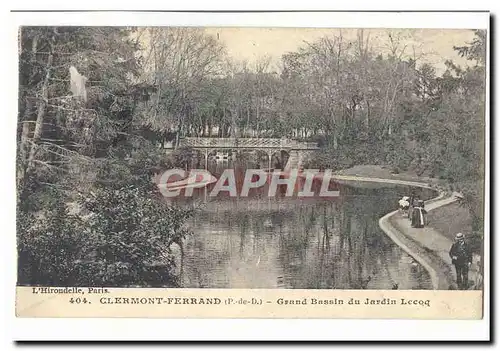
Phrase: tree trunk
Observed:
(23, 145)
(41, 107)
(181, 270)
(367, 116)
(248, 121)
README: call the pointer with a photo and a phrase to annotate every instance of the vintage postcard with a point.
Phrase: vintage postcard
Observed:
(181, 171)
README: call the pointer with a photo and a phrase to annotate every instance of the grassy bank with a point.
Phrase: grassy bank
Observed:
(452, 219)
(376, 171)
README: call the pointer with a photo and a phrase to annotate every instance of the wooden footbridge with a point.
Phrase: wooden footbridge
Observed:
(296, 149)
(247, 143)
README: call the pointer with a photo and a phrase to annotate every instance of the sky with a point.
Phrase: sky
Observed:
(433, 46)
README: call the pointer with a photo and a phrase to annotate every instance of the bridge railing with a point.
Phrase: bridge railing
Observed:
(309, 145)
(249, 143)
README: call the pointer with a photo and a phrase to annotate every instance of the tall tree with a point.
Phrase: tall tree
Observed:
(56, 128)
(179, 63)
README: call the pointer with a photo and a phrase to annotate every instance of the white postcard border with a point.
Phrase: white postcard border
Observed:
(147, 329)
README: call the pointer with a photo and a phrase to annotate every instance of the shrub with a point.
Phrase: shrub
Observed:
(120, 237)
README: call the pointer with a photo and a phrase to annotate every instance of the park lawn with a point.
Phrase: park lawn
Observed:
(450, 220)
(377, 171)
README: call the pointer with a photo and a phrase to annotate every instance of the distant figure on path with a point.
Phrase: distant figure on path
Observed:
(404, 205)
(418, 215)
(461, 257)
(411, 200)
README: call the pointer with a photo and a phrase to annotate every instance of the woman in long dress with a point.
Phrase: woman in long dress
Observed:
(412, 200)
(418, 215)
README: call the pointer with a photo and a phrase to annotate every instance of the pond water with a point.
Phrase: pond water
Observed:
(289, 243)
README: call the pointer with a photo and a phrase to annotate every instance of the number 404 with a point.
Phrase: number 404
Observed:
(78, 300)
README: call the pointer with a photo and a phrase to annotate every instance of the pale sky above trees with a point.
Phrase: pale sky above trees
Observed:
(433, 46)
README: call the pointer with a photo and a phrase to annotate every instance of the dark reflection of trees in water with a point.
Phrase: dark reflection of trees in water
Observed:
(327, 244)
(338, 244)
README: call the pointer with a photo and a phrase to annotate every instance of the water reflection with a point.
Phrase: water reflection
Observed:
(263, 243)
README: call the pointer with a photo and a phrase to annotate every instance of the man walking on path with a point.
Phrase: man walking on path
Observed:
(461, 257)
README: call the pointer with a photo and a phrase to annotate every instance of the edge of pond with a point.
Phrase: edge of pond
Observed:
(397, 236)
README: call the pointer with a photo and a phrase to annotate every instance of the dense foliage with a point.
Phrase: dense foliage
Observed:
(85, 199)
(88, 213)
